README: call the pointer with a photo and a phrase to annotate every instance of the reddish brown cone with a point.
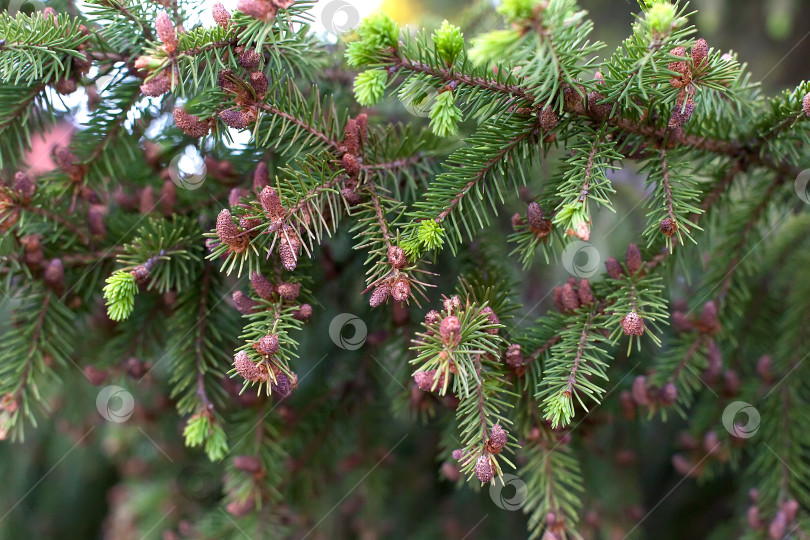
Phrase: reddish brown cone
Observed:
(263, 287)
(632, 324)
(221, 15)
(166, 32)
(700, 52)
(235, 119)
(614, 269)
(513, 356)
(380, 295)
(190, 124)
(668, 226)
(401, 290)
(249, 59)
(397, 257)
(159, 85)
(483, 468)
(426, 380)
(267, 345)
(289, 291)
(258, 9)
(271, 202)
(497, 437)
(247, 369)
(244, 304)
(450, 330)
(288, 250)
(228, 232)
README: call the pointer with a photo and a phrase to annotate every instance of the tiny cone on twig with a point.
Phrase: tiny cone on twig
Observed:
(497, 439)
(633, 259)
(668, 226)
(380, 295)
(632, 324)
(614, 269)
(166, 32)
(538, 224)
(397, 257)
(483, 468)
(221, 15)
(247, 369)
(191, 125)
(450, 330)
(700, 52)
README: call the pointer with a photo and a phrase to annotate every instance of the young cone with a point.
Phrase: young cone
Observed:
(165, 31)
(483, 468)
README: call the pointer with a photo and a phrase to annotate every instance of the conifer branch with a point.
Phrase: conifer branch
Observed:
(120, 6)
(199, 339)
(379, 213)
(667, 188)
(35, 343)
(403, 163)
(326, 139)
(525, 118)
(62, 222)
(656, 135)
(487, 168)
(744, 235)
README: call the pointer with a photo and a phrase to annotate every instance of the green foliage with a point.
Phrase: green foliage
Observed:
(281, 323)
(494, 45)
(575, 370)
(518, 10)
(449, 42)
(554, 484)
(380, 30)
(444, 115)
(428, 236)
(119, 292)
(377, 32)
(342, 202)
(585, 179)
(369, 86)
(640, 294)
(674, 197)
(37, 50)
(172, 246)
(201, 430)
(659, 17)
(641, 62)
(24, 110)
(36, 341)
(476, 380)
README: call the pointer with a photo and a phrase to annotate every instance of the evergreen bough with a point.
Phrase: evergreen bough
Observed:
(527, 117)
